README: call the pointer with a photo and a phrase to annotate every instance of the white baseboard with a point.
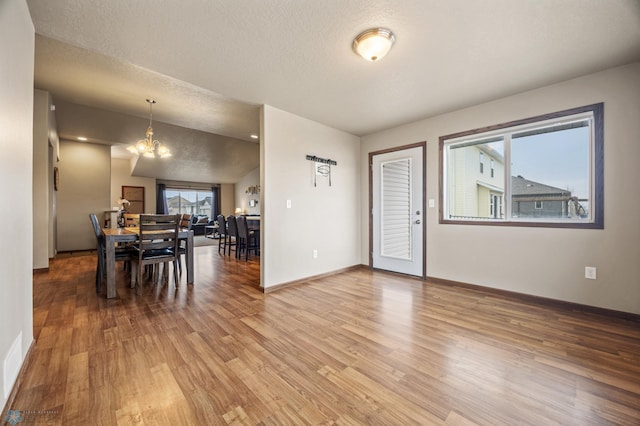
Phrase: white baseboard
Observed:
(11, 365)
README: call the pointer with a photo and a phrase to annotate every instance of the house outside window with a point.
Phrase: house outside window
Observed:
(544, 171)
(188, 201)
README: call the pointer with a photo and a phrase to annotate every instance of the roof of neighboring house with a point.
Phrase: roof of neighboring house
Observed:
(178, 199)
(205, 201)
(523, 187)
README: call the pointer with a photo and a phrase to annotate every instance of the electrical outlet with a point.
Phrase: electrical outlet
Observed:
(590, 272)
(315, 253)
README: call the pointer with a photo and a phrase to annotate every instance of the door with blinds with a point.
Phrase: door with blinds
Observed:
(397, 213)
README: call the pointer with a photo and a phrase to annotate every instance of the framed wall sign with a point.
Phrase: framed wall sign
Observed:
(135, 196)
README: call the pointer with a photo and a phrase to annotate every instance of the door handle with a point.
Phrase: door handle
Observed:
(417, 221)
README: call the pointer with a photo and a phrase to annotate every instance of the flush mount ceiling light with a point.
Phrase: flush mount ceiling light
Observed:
(149, 147)
(373, 43)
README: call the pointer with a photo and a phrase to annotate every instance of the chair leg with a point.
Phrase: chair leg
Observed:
(100, 269)
(175, 274)
(133, 274)
(139, 275)
(222, 242)
(164, 278)
(242, 247)
(98, 279)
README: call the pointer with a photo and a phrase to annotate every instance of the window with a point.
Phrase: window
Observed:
(495, 201)
(544, 171)
(190, 201)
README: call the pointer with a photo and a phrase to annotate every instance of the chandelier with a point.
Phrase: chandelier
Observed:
(149, 147)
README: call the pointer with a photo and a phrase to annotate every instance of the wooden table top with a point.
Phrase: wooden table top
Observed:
(131, 230)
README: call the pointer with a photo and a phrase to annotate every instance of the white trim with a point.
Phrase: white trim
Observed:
(11, 365)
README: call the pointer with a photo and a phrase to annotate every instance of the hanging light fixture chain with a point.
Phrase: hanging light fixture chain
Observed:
(151, 102)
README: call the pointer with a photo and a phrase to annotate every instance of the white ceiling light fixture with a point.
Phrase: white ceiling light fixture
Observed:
(149, 147)
(374, 43)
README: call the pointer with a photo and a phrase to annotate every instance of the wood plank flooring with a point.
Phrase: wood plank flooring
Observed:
(357, 348)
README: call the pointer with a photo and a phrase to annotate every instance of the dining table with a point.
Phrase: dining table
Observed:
(113, 236)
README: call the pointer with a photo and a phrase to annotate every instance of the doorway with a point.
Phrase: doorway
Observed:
(397, 235)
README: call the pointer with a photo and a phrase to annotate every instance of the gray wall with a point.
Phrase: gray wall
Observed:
(227, 199)
(85, 187)
(324, 218)
(242, 198)
(17, 38)
(121, 175)
(546, 262)
(44, 157)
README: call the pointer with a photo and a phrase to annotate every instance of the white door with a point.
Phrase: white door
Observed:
(397, 215)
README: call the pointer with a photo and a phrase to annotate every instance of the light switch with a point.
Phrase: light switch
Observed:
(288, 204)
(432, 203)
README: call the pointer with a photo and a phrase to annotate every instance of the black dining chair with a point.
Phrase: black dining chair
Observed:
(246, 239)
(122, 253)
(232, 234)
(222, 232)
(157, 243)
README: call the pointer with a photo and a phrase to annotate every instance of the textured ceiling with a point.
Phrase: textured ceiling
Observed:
(210, 64)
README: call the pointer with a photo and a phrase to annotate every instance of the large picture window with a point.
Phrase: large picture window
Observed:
(544, 171)
(190, 201)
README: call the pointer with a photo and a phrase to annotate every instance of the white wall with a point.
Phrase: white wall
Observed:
(85, 187)
(17, 39)
(546, 262)
(323, 218)
(121, 175)
(242, 198)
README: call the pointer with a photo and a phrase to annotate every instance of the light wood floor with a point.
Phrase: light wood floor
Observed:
(357, 348)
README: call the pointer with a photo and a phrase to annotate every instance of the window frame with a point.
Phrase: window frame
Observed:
(597, 170)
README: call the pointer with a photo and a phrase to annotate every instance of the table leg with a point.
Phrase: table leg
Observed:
(190, 257)
(111, 268)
